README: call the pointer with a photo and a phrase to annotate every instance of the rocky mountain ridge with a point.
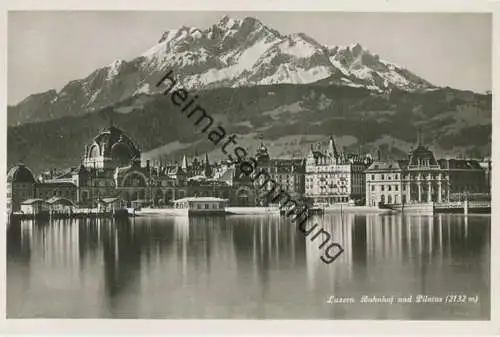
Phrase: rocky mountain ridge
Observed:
(230, 53)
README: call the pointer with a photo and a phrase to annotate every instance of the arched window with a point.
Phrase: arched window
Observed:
(94, 151)
(134, 180)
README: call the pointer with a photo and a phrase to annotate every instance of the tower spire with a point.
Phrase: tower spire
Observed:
(207, 168)
(332, 149)
(184, 163)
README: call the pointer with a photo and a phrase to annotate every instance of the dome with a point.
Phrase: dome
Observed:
(113, 142)
(422, 155)
(20, 174)
(121, 152)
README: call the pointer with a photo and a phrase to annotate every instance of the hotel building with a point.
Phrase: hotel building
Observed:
(331, 176)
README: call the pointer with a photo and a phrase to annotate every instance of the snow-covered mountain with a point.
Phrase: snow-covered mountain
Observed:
(246, 52)
(230, 53)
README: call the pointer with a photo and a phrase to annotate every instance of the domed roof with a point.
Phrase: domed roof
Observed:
(422, 155)
(114, 141)
(121, 151)
(20, 174)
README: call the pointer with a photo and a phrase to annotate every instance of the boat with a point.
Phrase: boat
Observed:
(312, 210)
(193, 206)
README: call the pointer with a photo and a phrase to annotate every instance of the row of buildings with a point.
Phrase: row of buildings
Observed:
(111, 167)
(423, 178)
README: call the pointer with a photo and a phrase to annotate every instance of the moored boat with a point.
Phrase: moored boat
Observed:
(193, 206)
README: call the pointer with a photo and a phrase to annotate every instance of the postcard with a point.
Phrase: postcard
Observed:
(314, 166)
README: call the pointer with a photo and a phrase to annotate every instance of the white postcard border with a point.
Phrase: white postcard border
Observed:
(266, 327)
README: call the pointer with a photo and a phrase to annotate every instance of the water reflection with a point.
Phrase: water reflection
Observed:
(245, 267)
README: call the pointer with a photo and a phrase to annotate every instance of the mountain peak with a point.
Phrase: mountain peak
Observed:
(353, 48)
(252, 21)
(223, 20)
(356, 47)
(114, 68)
(227, 22)
(306, 38)
(234, 53)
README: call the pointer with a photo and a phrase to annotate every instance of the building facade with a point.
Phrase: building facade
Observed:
(331, 176)
(423, 179)
(111, 167)
(46, 190)
(467, 178)
(384, 183)
(289, 174)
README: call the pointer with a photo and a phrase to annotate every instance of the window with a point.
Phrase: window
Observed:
(389, 187)
(373, 188)
(396, 177)
(396, 188)
(382, 177)
(373, 177)
(382, 187)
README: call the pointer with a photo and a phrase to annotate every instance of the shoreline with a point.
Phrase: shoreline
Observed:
(239, 211)
(267, 210)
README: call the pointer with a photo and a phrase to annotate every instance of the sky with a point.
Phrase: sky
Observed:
(48, 49)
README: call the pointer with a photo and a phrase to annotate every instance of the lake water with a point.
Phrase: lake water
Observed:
(247, 267)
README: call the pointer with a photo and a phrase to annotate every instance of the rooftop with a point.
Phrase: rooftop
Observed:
(20, 174)
(60, 201)
(200, 199)
(385, 166)
(32, 201)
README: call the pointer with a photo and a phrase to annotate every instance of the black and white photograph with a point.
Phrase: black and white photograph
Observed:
(250, 165)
